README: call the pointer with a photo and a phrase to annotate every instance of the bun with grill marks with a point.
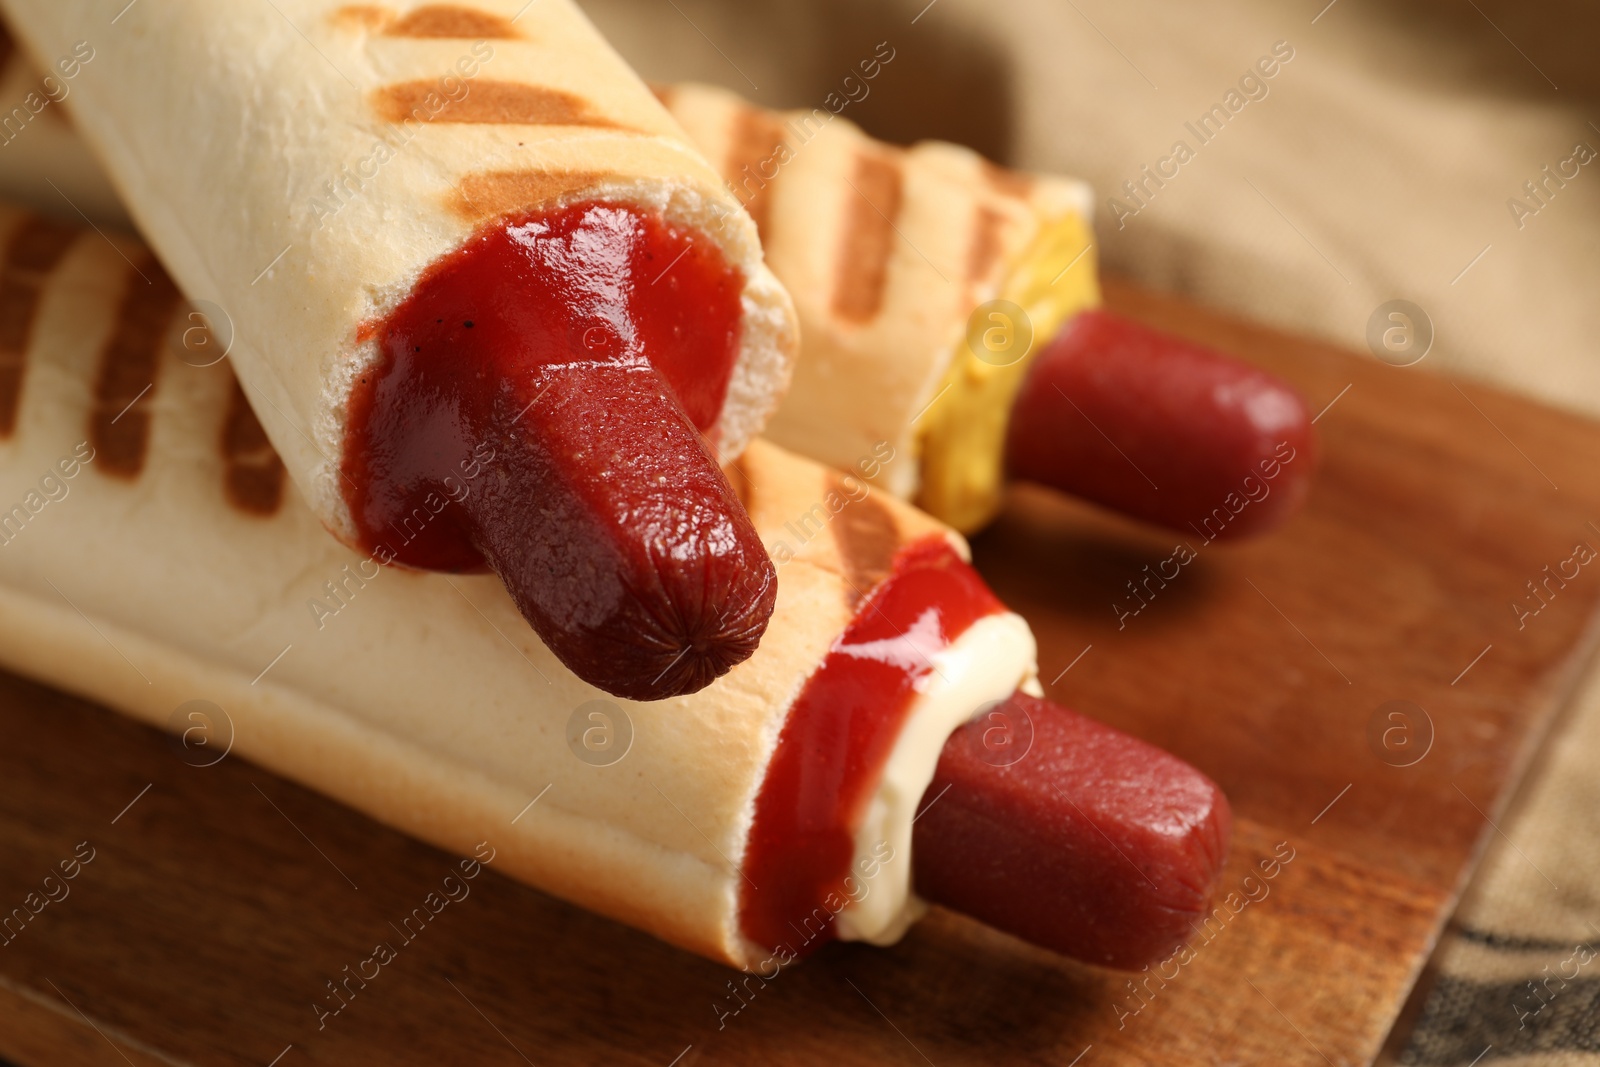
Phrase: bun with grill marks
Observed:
(416, 698)
(422, 221)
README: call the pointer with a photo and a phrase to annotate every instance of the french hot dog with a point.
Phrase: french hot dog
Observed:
(444, 231)
(950, 307)
(1092, 404)
(750, 821)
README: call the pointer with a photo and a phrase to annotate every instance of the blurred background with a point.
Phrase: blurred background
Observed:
(1378, 164)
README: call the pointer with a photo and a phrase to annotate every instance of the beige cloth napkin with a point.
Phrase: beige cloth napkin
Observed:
(1380, 160)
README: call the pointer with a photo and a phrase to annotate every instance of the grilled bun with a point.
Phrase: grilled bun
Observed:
(300, 164)
(419, 699)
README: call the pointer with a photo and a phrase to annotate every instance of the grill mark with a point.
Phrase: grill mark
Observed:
(488, 102)
(362, 17)
(252, 474)
(757, 141)
(35, 248)
(984, 253)
(39, 244)
(491, 194)
(1008, 182)
(867, 243)
(451, 20)
(867, 538)
(119, 422)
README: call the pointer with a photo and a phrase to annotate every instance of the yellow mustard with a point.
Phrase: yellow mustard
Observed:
(963, 432)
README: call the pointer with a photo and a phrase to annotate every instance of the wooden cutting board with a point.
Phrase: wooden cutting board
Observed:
(220, 899)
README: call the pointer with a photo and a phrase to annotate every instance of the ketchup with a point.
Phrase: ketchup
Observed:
(537, 408)
(838, 735)
(1088, 842)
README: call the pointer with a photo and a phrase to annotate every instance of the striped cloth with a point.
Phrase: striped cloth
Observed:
(1517, 977)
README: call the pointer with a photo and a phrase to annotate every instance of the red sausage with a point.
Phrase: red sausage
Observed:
(1091, 843)
(1161, 429)
(537, 409)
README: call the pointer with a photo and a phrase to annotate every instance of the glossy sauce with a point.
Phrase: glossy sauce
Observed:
(538, 407)
(836, 740)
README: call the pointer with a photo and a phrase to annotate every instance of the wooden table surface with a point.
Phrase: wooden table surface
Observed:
(220, 899)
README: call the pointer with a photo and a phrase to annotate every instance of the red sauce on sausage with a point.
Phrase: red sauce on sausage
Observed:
(836, 740)
(537, 407)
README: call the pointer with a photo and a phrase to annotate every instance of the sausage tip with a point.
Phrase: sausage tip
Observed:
(1162, 429)
(1091, 843)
